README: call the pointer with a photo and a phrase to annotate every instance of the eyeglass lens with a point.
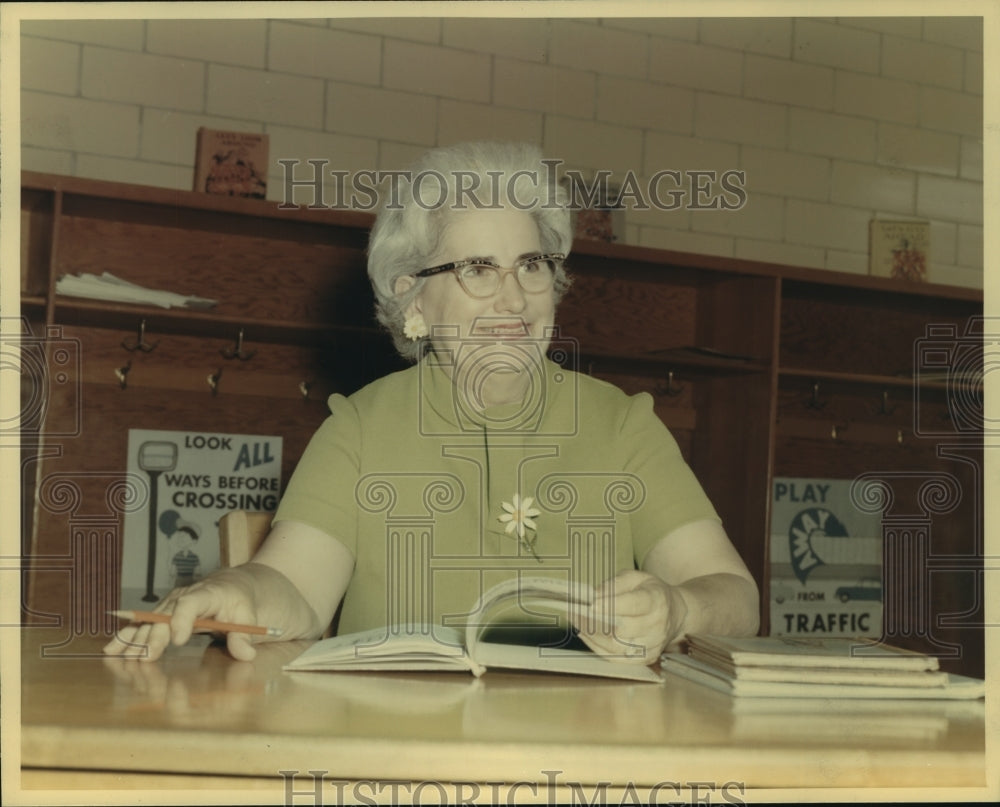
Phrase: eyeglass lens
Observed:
(483, 280)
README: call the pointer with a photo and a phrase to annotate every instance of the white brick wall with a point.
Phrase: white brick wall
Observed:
(771, 37)
(310, 51)
(834, 121)
(50, 66)
(432, 70)
(239, 42)
(141, 78)
(826, 43)
(264, 95)
(698, 66)
(829, 135)
(545, 88)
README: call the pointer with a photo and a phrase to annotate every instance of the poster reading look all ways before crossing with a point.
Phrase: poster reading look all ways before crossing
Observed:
(194, 479)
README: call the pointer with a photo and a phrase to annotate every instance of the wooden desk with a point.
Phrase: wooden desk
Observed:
(197, 716)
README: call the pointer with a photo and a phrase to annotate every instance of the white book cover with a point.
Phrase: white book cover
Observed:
(831, 652)
(899, 249)
(957, 687)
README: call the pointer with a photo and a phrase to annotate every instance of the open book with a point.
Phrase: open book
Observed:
(502, 609)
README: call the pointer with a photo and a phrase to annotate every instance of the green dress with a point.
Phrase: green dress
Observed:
(414, 483)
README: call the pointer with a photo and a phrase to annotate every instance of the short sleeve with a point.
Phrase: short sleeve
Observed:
(673, 495)
(321, 491)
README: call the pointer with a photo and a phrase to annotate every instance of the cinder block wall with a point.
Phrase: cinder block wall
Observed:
(834, 121)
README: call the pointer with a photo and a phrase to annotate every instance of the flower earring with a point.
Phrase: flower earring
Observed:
(415, 328)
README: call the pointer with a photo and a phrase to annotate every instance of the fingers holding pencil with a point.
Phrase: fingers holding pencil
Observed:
(144, 641)
(223, 603)
(212, 625)
(218, 602)
(251, 594)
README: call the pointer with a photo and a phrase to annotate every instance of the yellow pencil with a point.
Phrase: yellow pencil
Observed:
(205, 624)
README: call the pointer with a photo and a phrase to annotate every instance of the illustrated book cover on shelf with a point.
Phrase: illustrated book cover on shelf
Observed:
(899, 249)
(818, 667)
(598, 212)
(189, 480)
(231, 163)
(494, 635)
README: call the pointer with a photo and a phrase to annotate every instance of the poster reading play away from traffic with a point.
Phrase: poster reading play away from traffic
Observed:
(826, 561)
(194, 479)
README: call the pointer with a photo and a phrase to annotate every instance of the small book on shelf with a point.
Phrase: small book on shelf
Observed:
(231, 163)
(899, 249)
(821, 667)
(500, 613)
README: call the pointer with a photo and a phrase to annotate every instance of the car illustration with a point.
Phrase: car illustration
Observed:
(869, 588)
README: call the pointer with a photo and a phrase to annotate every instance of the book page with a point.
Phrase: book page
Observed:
(533, 604)
(408, 647)
(538, 601)
(554, 660)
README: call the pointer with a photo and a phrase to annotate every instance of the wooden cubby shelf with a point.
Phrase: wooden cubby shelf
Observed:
(729, 349)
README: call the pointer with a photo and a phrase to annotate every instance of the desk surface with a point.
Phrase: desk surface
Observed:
(197, 711)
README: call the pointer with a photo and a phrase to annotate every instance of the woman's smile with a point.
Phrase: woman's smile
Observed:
(499, 328)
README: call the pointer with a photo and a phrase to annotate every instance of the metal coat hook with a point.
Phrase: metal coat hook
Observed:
(835, 432)
(121, 373)
(304, 387)
(672, 388)
(883, 407)
(140, 340)
(237, 351)
(814, 402)
(213, 381)
(899, 436)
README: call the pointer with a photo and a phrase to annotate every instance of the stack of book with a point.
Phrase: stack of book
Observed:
(809, 667)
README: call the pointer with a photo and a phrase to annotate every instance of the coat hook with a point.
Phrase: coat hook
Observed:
(121, 373)
(814, 401)
(836, 431)
(213, 381)
(140, 340)
(304, 387)
(237, 351)
(884, 408)
(672, 388)
(899, 436)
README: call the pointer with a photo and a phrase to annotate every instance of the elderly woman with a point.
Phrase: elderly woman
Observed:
(483, 461)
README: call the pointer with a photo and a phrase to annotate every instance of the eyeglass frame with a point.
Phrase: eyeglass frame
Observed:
(559, 257)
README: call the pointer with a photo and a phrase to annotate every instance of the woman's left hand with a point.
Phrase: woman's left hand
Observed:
(633, 617)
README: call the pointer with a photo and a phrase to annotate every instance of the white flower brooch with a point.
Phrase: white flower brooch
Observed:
(518, 517)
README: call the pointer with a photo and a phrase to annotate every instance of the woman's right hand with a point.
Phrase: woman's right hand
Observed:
(251, 594)
(226, 595)
(294, 583)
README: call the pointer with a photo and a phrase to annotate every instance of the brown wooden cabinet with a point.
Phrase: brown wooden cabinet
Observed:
(759, 371)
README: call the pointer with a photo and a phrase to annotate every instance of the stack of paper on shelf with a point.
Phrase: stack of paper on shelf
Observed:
(113, 289)
(825, 667)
